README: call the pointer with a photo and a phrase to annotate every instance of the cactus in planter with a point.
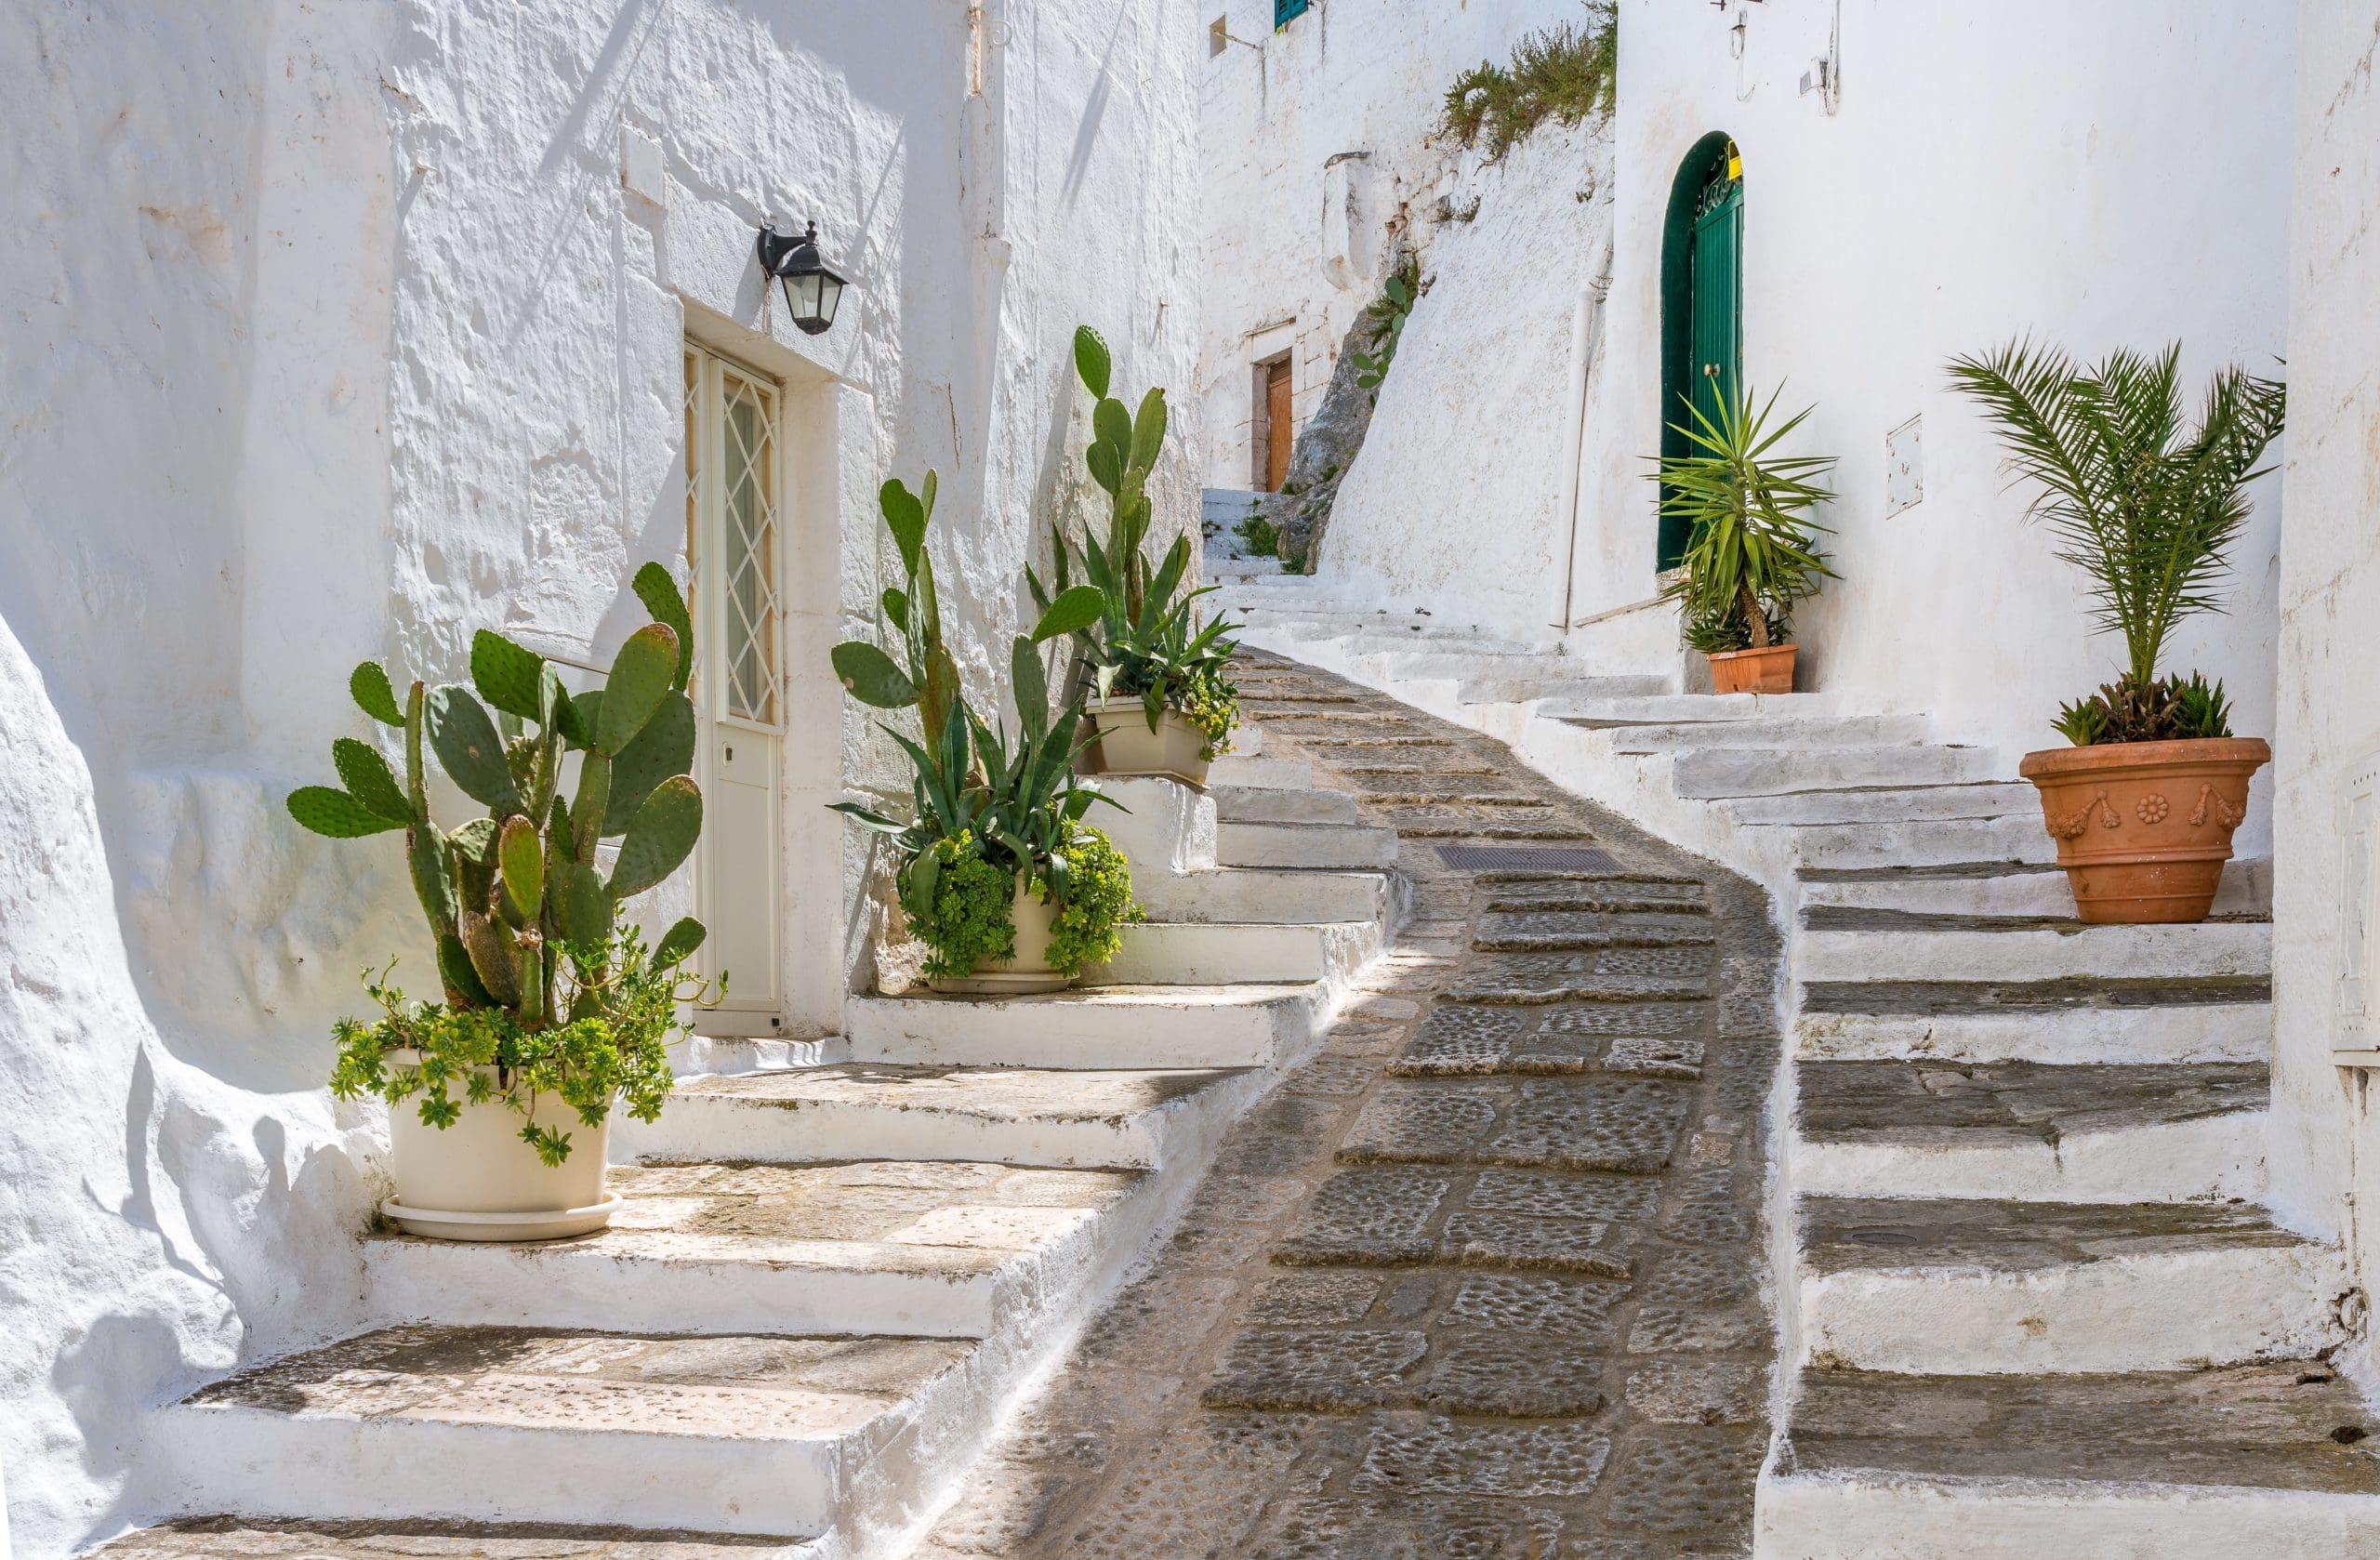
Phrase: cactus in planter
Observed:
(1123, 451)
(503, 892)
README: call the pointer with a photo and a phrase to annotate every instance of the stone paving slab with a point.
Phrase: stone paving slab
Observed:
(2288, 1424)
(1483, 1281)
(2020, 1102)
(232, 1538)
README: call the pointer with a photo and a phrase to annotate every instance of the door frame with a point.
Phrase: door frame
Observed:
(1707, 156)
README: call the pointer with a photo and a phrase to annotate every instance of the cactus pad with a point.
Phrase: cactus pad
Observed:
(665, 747)
(641, 677)
(369, 685)
(327, 810)
(659, 837)
(660, 595)
(507, 676)
(468, 747)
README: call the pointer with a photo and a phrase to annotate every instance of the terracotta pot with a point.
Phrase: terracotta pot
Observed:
(1770, 670)
(1126, 746)
(2143, 828)
(1027, 971)
(477, 1181)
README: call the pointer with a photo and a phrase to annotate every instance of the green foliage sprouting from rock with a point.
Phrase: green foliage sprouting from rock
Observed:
(1388, 313)
(1564, 74)
(522, 913)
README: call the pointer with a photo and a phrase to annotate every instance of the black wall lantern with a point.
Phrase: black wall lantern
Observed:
(811, 289)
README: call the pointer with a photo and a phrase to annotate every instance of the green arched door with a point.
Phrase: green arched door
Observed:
(1703, 311)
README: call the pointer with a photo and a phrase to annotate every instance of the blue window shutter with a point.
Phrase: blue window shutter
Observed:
(1285, 11)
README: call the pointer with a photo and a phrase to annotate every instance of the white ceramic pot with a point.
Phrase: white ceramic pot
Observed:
(1126, 745)
(1028, 969)
(477, 1181)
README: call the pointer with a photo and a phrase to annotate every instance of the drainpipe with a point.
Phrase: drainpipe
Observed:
(1586, 335)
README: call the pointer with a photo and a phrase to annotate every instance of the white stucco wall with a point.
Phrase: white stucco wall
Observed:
(1295, 246)
(340, 332)
(2093, 176)
(1459, 502)
(2325, 1140)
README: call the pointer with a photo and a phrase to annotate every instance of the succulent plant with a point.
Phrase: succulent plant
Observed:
(503, 893)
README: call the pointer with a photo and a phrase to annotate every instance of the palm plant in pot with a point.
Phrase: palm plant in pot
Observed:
(1751, 546)
(552, 1010)
(1010, 892)
(1161, 700)
(2144, 800)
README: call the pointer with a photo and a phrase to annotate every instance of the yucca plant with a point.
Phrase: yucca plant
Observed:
(2146, 503)
(1751, 546)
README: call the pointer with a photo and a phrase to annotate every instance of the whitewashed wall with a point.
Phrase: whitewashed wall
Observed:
(2093, 176)
(339, 331)
(2325, 1140)
(1296, 245)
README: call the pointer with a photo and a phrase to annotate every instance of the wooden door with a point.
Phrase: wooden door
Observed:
(1279, 426)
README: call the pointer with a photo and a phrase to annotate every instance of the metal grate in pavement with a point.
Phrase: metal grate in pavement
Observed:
(1526, 858)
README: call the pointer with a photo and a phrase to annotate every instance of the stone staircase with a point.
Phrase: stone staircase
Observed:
(839, 1263)
(2029, 1295)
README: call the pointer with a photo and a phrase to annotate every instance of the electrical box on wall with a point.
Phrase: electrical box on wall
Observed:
(2353, 1041)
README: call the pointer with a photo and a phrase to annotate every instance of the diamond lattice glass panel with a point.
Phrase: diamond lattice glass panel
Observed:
(749, 501)
(694, 468)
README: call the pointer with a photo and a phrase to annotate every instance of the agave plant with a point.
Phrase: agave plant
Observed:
(1751, 546)
(2146, 505)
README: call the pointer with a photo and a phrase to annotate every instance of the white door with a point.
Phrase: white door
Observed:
(734, 504)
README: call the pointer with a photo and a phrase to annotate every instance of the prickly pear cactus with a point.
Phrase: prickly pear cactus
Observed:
(504, 892)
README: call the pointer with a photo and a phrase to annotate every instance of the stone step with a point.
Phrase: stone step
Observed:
(1979, 1031)
(1008, 1116)
(1746, 713)
(1235, 953)
(1254, 772)
(2083, 1133)
(729, 1054)
(761, 1434)
(929, 1250)
(1911, 950)
(1919, 843)
(1578, 683)
(1974, 1286)
(1276, 805)
(1809, 731)
(2266, 1460)
(1712, 774)
(1258, 894)
(1883, 804)
(224, 1538)
(1330, 845)
(2034, 891)
(1108, 1027)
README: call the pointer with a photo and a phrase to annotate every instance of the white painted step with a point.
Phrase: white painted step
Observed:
(1256, 771)
(1810, 730)
(1326, 845)
(728, 1053)
(2207, 1156)
(1885, 804)
(985, 1116)
(2230, 1463)
(765, 1434)
(1276, 805)
(1921, 842)
(1270, 895)
(1102, 1028)
(1982, 1288)
(1918, 953)
(1747, 714)
(2039, 890)
(1461, 666)
(1715, 772)
(1577, 683)
(2196, 1032)
(927, 1250)
(1236, 952)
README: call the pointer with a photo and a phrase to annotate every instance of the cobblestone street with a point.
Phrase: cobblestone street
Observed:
(1483, 1279)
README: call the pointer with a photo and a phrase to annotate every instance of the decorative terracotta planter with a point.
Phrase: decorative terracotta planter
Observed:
(1126, 746)
(2143, 828)
(477, 1181)
(1769, 671)
(1024, 972)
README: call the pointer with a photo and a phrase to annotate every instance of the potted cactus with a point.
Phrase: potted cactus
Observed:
(996, 871)
(551, 1009)
(1160, 701)
(2144, 800)
(1752, 548)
